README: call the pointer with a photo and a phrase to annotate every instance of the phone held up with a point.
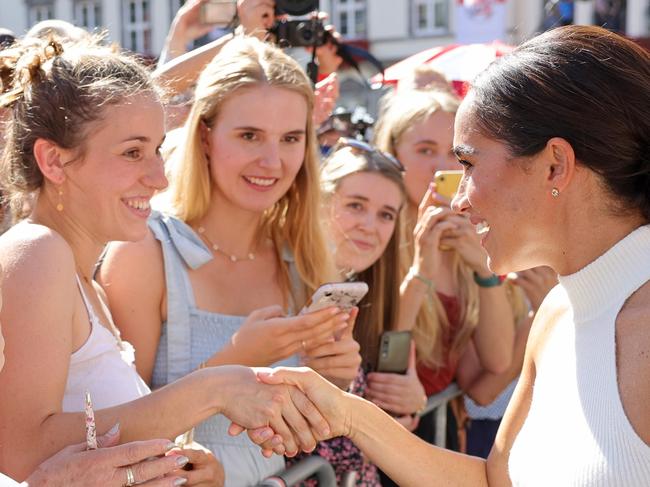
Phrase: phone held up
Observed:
(345, 295)
(394, 350)
(447, 182)
(218, 12)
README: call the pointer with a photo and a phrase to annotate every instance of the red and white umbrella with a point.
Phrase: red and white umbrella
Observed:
(460, 63)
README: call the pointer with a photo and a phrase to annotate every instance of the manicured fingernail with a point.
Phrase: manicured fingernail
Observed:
(170, 446)
(180, 481)
(325, 431)
(114, 430)
(266, 434)
(182, 461)
(276, 441)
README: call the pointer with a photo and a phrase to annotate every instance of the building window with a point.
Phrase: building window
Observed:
(430, 17)
(41, 11)
(88, 14)
(136, 25)
(349, 17)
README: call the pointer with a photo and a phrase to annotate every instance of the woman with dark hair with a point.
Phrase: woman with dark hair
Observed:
(554, 140)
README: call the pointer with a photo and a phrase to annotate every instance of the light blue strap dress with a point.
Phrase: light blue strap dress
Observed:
(191, 335)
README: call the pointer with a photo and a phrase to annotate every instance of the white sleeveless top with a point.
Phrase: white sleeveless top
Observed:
(577, 433)
(104, 366)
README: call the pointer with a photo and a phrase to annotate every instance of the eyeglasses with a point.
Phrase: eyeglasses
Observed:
(365, 147)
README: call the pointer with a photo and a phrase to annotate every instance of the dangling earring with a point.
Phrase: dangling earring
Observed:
(555, 192)
(59, 205)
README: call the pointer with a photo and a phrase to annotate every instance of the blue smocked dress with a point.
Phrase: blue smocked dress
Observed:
(191, 335)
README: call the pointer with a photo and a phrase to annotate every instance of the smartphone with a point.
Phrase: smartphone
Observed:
(218, 12)
(394, 350)
(447, 182)
(345, 295)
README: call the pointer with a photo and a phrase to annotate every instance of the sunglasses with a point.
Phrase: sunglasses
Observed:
(369, 149)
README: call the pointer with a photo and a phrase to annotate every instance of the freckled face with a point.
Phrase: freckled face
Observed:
(503, 193)
(424, 149)
(363, 212)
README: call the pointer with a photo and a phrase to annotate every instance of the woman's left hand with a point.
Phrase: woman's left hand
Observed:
(400, 394)
(206, 470)
(467, 243)
(338, 361)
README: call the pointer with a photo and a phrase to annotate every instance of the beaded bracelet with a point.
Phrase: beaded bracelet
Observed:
(413, 274)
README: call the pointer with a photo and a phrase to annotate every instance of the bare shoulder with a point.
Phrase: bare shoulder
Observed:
(30, 252)
(132, 275)
(633, 359)
(142, 260)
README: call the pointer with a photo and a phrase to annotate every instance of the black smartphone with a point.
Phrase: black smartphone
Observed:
(394, 349)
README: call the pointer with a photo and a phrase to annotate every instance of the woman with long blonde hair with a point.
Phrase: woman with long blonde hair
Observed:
(239, 230)
(449, 297)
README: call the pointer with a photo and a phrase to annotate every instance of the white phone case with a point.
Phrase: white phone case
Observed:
(345, 295)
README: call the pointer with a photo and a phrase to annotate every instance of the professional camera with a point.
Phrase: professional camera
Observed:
(303, 32)
(300, 33)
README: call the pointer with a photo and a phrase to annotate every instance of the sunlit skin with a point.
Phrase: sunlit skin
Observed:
(363, 212)
(256, 147)
(107, 191)
(517, 218)
(423, 149)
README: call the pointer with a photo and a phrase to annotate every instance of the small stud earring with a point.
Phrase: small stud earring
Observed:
(59, 205)
(555, 192)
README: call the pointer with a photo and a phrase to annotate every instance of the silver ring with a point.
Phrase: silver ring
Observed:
(130, 478)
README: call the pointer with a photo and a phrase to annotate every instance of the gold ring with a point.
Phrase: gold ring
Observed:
(130, 478)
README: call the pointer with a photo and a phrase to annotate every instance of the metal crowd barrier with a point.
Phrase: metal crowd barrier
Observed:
(302, 470)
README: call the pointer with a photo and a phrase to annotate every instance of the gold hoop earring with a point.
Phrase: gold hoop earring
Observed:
(555, 192)
(59, 205)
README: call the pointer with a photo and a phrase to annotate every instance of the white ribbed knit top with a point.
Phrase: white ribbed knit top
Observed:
(576, 432)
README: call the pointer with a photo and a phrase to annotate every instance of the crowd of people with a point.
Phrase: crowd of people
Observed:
(164, 230)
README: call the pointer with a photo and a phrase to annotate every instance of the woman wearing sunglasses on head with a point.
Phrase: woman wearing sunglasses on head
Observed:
(363, 196)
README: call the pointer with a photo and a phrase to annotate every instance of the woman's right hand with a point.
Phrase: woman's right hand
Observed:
(428, 231)
(267, 336)
(281, 414)
(326, 399)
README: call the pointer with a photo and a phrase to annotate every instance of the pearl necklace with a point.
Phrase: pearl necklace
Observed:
(216, 248)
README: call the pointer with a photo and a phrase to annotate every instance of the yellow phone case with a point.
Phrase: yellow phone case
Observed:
(447, 182)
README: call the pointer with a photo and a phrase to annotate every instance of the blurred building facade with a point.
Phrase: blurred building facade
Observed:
(390, 29)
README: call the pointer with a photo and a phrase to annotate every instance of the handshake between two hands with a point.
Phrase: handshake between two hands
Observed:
(288, 410)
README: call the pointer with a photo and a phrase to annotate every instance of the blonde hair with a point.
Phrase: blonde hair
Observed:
(400, 111)
(293, 220)
(378, 311)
